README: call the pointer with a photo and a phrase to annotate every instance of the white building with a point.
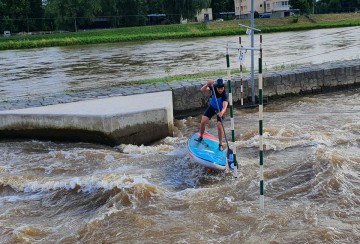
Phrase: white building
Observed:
(278, 8)
(205, 15)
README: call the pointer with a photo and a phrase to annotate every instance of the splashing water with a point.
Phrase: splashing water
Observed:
(86, 193)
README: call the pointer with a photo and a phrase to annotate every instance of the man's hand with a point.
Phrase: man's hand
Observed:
(221, 113)
(210, 82)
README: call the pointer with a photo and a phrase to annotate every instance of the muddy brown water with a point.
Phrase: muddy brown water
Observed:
(86, 193)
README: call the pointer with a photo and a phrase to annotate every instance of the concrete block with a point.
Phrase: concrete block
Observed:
(136, 119)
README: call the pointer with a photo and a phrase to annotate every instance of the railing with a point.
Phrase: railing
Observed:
(280, 8)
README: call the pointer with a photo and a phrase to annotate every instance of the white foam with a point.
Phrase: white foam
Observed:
(144, 150)
(85, 183)
(228, 199)
(13, 198)
(109, 158)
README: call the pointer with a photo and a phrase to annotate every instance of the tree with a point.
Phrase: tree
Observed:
(222, 6)
(302, 5)
(156, 6)
(334, 6)
(14, 15)
(329, 6)
(219, 6)
(73, 12)
(347, 5)
(35, 14)
(134, 12)
(186, 9)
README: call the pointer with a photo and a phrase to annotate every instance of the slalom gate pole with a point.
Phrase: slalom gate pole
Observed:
(231, 114)
(261, 143)
(241, 80)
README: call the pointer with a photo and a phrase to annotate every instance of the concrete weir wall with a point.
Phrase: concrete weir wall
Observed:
(143, 114)
(187, 100)
(137, 119)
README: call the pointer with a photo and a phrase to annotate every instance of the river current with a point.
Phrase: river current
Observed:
(70, 193)
(52, 192)
(47, 71)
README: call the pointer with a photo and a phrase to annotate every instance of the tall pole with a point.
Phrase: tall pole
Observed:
(261, 108)
(261, 143)
(241, 79)
(313, 9)
(231, 113)
(252, 52)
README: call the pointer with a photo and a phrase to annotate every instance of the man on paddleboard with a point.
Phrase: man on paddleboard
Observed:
(221, 98)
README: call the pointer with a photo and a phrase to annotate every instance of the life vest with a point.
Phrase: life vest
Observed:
(213, 101)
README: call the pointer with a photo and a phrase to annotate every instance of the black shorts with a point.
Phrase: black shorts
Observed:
(210, 111)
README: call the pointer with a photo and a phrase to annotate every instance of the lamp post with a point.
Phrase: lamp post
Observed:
(252, 52)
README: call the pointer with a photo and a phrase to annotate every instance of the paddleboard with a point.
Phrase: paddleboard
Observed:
(207, 151)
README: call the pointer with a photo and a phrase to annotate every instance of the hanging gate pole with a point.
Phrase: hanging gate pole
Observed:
(241, 80)
(231, 114)
(261, 143)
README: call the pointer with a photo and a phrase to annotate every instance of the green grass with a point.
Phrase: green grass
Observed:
(177, 31)
(103, 36)
(191, 30)
(169, 78)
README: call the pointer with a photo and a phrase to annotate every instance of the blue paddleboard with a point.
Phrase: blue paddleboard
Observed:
(207, 152)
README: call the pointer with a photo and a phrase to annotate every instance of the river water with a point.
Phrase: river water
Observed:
(85, 193)
(44, 71)
(54, 192)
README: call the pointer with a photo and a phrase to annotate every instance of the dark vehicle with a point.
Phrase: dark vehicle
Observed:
(265, 15)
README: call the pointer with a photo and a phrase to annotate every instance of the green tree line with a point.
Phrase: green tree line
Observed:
(337, 6)
(70, 15)
(48, 15)
(325, 6)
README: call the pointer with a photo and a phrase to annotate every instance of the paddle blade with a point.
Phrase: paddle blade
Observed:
(230, 159)
(229, 152)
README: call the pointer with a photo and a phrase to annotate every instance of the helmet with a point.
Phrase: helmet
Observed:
(220, 82)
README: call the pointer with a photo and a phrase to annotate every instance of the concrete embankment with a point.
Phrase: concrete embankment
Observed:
(146, 121)
(136, 119)
(309, 79)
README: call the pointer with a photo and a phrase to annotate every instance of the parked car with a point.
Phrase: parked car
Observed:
(7, 33)
(265, 15)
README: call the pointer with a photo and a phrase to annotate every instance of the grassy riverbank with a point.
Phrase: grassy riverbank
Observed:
(178, 31)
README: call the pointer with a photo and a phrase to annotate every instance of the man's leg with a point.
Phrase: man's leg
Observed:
(203, 123)
(220, 132)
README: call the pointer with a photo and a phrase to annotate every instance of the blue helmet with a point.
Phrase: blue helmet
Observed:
(220, 82)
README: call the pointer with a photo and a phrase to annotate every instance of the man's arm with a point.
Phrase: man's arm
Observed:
(223, 110)
(206, 87)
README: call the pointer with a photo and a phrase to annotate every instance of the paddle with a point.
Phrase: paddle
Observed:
(229, 154)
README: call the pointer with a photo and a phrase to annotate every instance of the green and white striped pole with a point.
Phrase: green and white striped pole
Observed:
(231, 113)
(261, 143)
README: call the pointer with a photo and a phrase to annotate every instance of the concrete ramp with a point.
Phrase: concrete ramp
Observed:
(136, 119)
